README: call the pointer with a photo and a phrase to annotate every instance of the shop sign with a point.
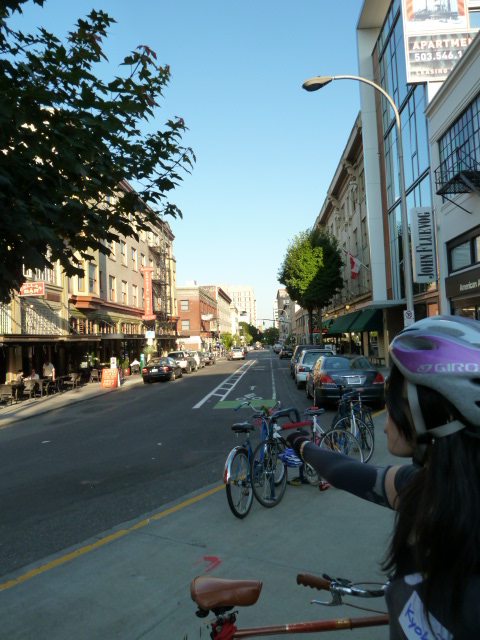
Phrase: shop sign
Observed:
(147, 293)
(463, 285)
(436, 37)
(110, 378)
(424, 256)
(32, 289)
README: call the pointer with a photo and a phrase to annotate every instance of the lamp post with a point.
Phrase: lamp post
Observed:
(317, 82)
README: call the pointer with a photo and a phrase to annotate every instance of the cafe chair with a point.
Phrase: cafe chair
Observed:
(6, 393)
(73, 381)
(135, 368)
(94, 375)
(30, 389)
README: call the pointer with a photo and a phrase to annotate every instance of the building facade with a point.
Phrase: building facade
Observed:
(243, 297)
(454, 118)
(197, 311)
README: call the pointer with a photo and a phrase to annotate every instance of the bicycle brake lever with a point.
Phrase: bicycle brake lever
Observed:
(335, 602)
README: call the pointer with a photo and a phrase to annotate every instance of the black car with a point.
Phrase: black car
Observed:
(209, 357)
(355, 372)
(161, 369)
(286, 352)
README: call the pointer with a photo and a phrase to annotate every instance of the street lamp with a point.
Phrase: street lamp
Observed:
(317, 82)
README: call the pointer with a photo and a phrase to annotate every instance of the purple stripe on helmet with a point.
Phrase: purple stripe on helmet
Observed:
(445, 356)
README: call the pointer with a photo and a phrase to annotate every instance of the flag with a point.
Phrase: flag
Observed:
(354, 266)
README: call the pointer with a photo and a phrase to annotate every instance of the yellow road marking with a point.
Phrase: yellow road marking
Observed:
(113, 536)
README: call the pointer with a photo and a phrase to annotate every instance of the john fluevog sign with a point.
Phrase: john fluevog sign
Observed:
(424, 257)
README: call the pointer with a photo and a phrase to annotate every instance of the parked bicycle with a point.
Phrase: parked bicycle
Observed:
(355, 417)
(336, 439)
(256, 471)
(219, 596)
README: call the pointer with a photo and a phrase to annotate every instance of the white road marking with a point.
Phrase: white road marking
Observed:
(225, 387)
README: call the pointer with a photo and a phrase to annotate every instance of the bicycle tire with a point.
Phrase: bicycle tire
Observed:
(342, 441)
(268, 474)
(239, 488)
(363, 433)
(311, 475)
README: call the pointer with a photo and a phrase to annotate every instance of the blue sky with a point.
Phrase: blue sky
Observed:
(266, 150)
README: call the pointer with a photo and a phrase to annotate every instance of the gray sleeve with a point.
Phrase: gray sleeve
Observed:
(343, 472)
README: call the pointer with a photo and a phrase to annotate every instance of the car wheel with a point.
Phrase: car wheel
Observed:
(188, 369)
(180, 375)
(172, 377)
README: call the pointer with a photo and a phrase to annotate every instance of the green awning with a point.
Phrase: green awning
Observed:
(368, 320)
(343, 323)
(326, 323)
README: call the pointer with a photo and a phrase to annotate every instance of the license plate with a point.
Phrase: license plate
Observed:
(354, 380)
(154, 370)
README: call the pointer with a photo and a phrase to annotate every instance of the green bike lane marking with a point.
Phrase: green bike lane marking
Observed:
(258, 404)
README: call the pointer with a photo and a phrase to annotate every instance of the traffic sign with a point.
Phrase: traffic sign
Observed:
(408, 318)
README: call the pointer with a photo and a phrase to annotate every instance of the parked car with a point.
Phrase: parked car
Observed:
(277, 347)
(286, 352)
(305, 363)
(348, 370)
(236, 353)
(184, 359)
(209, 357)
(196, 359)
(201, 355)
(161, 369)
(296, 354)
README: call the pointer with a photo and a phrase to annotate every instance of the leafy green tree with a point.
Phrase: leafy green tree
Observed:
(69, 140)
(270, 335)
(328, 280)
(299, 267)
(312, 271)
(245, 332)
(227, 340)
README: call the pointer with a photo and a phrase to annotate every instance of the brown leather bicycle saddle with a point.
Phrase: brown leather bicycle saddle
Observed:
(212, 593)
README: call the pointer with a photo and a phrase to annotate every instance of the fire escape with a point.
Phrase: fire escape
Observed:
(165, 323)
(458, 173)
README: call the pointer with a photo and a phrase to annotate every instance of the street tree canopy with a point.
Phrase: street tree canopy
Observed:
(312, 270)
(70, 140)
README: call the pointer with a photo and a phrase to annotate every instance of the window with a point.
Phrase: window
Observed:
(112, 296)
(185, 325)
(81, 279)
(111, 246)
(460, 256)
(123, 252)
(135, 295)
(183, 305)
(142, 260)
(124, 292)
(134, 258)
(92, 278)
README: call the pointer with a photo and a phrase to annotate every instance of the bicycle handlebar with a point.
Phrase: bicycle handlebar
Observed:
(285, 413)
(314, 582)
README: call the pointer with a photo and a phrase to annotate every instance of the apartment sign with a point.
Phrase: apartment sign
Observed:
(424, 256)
(32, 289)
(436, 37)
(147, 293)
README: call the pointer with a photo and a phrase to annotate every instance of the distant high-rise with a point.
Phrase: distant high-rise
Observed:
(244, 299)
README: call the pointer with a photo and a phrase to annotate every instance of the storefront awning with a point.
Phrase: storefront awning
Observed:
(368, 320)
(343, 323)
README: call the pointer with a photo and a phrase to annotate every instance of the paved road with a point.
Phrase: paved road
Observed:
(132, 580)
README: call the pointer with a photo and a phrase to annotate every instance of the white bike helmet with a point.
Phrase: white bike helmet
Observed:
(442, 353)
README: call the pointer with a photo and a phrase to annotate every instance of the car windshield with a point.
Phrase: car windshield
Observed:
(310, 357)
(155, 361)
(176, 354)
(337, 362)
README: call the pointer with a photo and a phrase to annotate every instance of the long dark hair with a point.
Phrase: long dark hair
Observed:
(438, 514)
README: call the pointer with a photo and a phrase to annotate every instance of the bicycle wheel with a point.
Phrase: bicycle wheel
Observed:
(239, 488)
(268, 474)
(362, 432)
(311, 475)
(342, 441)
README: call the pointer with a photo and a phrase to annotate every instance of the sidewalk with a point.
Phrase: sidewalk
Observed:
(36, 406)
